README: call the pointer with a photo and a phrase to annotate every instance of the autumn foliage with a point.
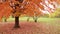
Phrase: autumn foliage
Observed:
(27, 7)
(5, 10)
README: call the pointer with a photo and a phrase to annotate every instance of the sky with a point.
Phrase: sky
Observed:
(48, 8)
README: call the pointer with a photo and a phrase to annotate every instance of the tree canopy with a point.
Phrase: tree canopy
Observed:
(27, 7)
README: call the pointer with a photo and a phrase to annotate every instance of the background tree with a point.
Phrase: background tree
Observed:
(56, 14)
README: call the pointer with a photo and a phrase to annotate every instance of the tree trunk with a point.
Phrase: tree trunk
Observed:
(5, 20)
(16, 22)
(28, 19)
(35, 19)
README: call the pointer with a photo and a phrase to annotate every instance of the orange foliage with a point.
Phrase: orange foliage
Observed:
(27, 7)
(5, 10)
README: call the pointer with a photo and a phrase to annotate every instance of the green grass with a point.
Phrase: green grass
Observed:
(41, 19)
(21, 19)
(54, 21)
(47, 25)
(48, 19)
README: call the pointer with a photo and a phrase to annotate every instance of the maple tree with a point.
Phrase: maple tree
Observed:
(32, 8)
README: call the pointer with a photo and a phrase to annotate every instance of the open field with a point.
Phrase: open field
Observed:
(41, 19)
(43, 26)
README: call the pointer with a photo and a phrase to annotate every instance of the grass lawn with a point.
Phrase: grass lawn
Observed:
(53, 21)
(41, 19)
(43, 26)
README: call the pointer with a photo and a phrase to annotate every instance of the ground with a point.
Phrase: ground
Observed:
(44, 26)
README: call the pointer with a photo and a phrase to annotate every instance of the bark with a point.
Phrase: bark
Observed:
(5, 20)
(16, 22)
(35, 19)
(28, 19)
